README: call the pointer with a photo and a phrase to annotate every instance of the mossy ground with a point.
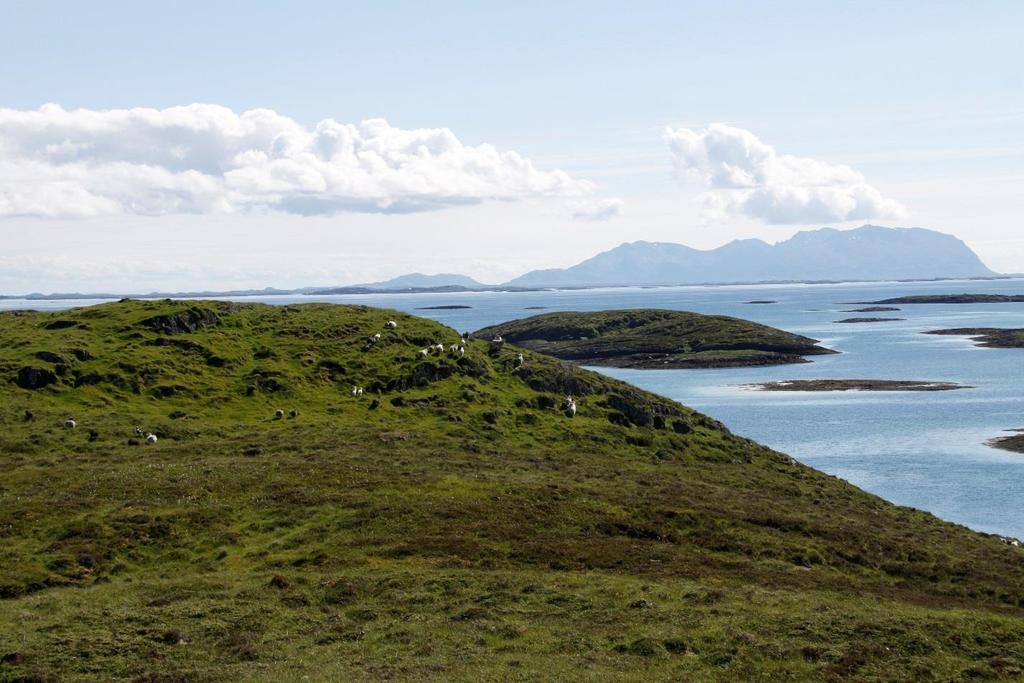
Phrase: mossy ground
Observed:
(464, 528)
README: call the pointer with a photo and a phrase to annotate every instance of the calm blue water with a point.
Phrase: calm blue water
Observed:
(925, 449)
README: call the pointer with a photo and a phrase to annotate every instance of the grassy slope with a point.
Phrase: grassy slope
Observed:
(464, 529)
(654, 338)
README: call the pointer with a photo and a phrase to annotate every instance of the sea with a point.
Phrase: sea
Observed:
(925, 450)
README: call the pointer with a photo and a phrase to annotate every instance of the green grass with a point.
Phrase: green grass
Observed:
(463, 529)
(654, 338)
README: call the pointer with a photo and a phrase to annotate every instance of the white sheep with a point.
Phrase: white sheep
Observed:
(360, 391)
(391, 325)
(571, 410)
(355, 391)
(150, 438)
(439, 347)
(453, 349)
(70, 423)
(423, 353)
(278, 414)
(519, 359)
(462, 350)
(497, 339)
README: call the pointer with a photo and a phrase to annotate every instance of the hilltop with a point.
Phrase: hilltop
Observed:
(655, 338)
(866, 253)
(451, 523)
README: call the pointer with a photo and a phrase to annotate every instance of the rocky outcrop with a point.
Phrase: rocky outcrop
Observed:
(183, 322)
(35, 378)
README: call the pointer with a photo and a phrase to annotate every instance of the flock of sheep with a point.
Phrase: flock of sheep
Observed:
(459, 349)
(150, 437)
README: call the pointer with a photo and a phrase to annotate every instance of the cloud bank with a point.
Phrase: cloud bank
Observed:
(205, 158)
(745, 176)
(598, 210)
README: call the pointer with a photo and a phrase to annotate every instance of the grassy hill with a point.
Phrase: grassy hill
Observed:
(655, 338)
(450, 524)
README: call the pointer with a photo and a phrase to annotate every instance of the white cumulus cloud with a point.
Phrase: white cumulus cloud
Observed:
(206, 158)
(743, 175)
(598, 210)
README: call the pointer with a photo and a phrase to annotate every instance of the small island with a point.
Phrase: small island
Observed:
(1014, 443)
(867, 320)
(450, 307)
(988, 337)
(855, 385)
(654, 338)
(872, 309)
(951, 299)
(761, 301)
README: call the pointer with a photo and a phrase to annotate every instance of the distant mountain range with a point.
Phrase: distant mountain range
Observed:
(421, 281)
(869, 252)
(866, 253)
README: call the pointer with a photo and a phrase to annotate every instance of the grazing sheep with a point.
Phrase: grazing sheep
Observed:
(519, 359)
(375, 338)
(357, 391)
(571, 410)
(70, 423)
(138, 431)
(150, 438)
(391, 325)
(497, 339)
(293, 413)
(423, 353)
(360, 391)
(439, 347)
(278, 414)
(453, 349)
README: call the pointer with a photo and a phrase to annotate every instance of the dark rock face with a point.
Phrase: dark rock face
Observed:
(51, 357)
(35, 378)
(184, 322)
(427, 373)
(564, 383)
(641, 412)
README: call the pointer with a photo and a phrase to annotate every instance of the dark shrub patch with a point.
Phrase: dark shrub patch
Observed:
(339, 592)
(643, 647)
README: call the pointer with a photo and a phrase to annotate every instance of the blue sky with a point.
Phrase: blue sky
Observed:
(924, 100)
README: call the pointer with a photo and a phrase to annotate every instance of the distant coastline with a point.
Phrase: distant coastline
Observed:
(455, 289)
